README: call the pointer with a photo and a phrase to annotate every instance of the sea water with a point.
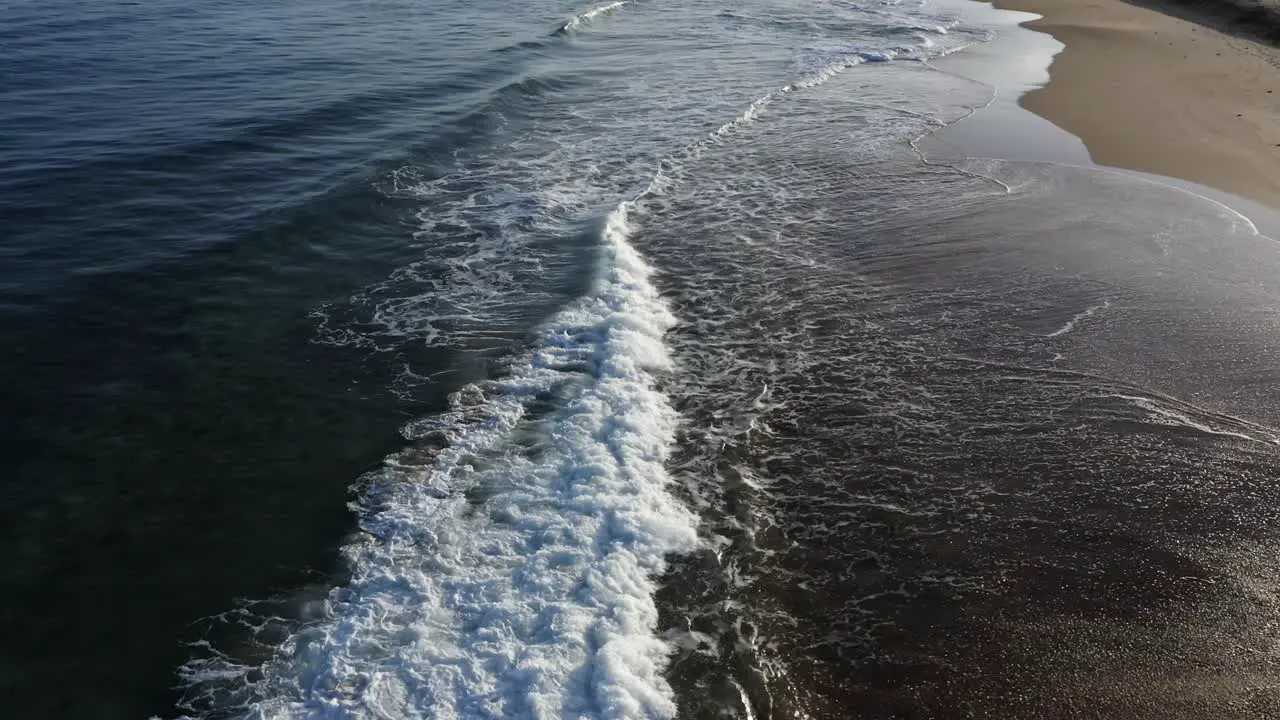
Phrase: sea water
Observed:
(396, 360)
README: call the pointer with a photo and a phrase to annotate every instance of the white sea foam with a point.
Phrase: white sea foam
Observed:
(1078, 317)
(812, 80)
(1163, 414)
(501, 578)
(508, 561)
(587, 17)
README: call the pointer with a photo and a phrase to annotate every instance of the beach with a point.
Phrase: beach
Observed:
(1152, 91)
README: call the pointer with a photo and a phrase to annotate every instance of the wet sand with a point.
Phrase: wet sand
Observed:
(1154, 92)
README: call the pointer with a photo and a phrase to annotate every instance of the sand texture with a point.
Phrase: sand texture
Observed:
(1150, 90)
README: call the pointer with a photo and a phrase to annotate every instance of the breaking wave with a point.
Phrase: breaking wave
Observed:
(508, 558)
(589, 16)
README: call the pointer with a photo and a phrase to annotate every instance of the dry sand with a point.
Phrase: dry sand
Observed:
(1155, 92)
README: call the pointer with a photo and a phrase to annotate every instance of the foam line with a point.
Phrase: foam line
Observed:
(493, 581)
(589, 16)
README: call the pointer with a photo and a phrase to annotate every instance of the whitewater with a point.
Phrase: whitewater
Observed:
(539, 601)
(612, 359)
(508, 559)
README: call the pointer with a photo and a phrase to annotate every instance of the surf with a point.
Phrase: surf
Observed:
(586, 18)
(508, 558)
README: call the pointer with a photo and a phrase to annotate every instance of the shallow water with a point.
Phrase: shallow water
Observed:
(663, 376)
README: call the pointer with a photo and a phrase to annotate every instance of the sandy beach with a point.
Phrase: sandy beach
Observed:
(1148, 90)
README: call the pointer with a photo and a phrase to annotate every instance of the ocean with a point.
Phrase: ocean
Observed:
(391, 359)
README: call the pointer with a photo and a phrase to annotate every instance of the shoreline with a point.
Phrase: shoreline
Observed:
(1155, 93)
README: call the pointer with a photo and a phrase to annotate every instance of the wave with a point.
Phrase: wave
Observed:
(507, 562)
(812, 80)
(589, 16)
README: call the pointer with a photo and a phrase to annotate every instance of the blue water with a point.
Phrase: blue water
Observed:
(400, 359)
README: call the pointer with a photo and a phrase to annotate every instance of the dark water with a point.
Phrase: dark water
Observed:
(182, 186)
(334, 385)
